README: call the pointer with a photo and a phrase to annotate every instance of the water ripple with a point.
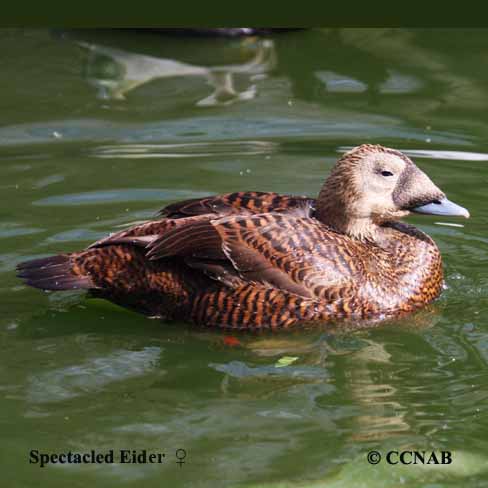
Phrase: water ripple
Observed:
(118, 195)
(12, 229)
(189, 150)
(238, 369)
(330, 126)
(91, 376)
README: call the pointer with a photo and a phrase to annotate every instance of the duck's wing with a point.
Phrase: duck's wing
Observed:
(190, 211)
(145, 233)
(289, 252)
(243, 203)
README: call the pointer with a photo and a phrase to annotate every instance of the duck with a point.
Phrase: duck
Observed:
(256, 260)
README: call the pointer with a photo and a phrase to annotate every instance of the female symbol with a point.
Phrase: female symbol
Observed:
(180, 455)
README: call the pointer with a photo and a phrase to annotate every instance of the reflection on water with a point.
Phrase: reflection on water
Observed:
(61, 384)
(181, 117)
(396, 83)
(189, 150)
(383, 415)
(115, 72)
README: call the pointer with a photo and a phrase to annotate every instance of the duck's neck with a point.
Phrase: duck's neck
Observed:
(360, 228)
(338, 207)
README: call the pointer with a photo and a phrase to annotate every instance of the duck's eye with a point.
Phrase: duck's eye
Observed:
(386, 173)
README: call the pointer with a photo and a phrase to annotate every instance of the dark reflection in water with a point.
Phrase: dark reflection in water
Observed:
(100, 129)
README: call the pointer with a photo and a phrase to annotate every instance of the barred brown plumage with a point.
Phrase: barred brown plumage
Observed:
(250, 260)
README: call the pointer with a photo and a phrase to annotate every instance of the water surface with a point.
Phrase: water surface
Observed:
(99, 130)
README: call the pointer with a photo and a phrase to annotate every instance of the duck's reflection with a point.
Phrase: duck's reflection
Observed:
(362, 368)
(116, 72)
(382, 414)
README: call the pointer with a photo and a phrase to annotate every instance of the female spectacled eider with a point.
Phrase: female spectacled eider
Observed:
(253, 259)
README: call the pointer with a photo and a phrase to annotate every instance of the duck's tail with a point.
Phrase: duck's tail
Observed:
(54, 273)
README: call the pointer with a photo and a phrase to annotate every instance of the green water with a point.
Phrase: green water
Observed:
(101, 129)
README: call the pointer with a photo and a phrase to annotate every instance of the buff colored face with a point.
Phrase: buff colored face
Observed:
(389, 186)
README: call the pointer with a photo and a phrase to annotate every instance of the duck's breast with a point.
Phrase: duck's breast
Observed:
(408, 270)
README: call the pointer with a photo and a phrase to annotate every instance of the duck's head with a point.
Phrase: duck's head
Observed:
(372, 184)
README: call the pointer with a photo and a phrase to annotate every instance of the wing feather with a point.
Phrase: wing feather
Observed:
(242, 203)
